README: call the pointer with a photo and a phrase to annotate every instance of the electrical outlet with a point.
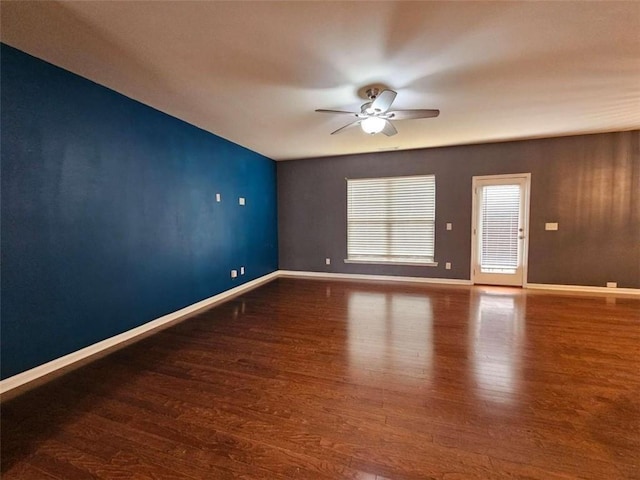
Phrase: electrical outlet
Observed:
(447, 265)
(241, 201)
(612, 284)
(551, 226)
(234, 273)
(327, 261)
(241, 270)
(449, 226)
(218, 197)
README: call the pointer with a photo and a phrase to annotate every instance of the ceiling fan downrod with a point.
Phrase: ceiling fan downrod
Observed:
(372, 93)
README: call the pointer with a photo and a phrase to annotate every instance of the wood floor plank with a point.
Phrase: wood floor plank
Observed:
(364, 381)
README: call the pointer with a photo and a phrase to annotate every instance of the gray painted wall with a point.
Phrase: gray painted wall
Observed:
(589, 184)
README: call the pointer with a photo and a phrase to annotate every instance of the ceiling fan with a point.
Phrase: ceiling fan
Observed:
(375, 115)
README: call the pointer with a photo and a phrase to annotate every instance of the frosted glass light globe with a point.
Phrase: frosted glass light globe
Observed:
(372, 125)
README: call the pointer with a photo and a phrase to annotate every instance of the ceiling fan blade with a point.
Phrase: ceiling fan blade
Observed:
(411, 114)
(383, 102)
(389, 130)
(322, 110)
(352, 124)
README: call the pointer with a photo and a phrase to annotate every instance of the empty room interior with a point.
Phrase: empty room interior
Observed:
(320, 240)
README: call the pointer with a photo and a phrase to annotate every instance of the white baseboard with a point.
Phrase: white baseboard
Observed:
(358, 276)
(583, 289)
(59, 363)
(451, 281)
(157, 324)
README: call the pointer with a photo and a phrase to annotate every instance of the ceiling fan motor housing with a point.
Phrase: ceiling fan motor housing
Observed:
(366, 108)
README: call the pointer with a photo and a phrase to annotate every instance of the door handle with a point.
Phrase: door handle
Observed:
(521, 237)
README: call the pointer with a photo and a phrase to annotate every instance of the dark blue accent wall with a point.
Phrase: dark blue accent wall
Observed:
(109, 218)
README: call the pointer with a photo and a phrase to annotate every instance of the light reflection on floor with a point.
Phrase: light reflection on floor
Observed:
(390, 333)
(496, 338)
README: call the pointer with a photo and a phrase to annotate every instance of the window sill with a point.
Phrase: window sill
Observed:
(391, 262)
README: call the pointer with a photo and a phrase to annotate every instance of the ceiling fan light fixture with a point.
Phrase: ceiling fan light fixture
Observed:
(375, 115)
(372, 125)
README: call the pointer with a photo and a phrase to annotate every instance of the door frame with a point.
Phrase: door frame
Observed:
(525, 221)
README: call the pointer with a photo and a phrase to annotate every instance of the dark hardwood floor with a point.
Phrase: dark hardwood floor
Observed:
(330, 380)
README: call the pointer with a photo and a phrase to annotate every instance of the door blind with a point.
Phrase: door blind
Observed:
(391, 219)
(500, 224)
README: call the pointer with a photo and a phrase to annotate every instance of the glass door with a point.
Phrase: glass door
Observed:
(499, 231)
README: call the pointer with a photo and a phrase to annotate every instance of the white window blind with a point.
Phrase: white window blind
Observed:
(500, 223)
(391, 219)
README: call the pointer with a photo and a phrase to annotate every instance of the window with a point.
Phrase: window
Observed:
(391, 220)
(500, 217)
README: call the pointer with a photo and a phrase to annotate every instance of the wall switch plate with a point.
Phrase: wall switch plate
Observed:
(327, 261)
(612, 284)
(449, 226)
(447, 265)
(551, 226)
(218, 197)
(241, 270)
(234, 273)
(241, 200)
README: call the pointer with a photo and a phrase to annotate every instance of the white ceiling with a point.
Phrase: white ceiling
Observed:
(254, 72)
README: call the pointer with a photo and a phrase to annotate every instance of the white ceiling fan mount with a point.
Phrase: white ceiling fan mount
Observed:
(375, 115)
